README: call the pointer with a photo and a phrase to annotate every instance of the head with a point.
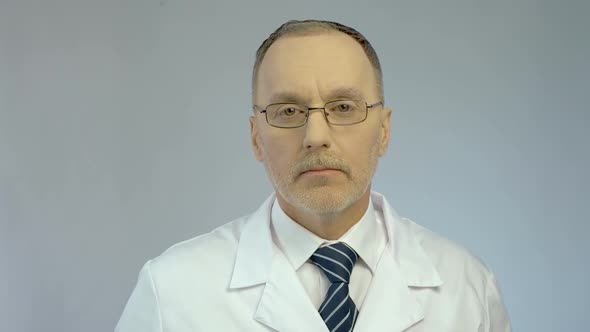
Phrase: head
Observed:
(319, 168)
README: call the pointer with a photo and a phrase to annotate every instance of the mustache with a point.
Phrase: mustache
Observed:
(324, 160)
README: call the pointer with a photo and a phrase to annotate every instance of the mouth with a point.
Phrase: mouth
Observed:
(321, 171)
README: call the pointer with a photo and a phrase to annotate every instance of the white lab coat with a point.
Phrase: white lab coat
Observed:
(236, 279)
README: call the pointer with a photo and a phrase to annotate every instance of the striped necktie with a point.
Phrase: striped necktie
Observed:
(336, 261)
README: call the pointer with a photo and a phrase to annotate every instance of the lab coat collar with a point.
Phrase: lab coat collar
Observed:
(414, 264)
(255, 249)
(283, 301)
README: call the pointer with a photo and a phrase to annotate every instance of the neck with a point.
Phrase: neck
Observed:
(328, 226)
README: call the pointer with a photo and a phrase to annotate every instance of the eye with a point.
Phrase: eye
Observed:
(289, 111)
(343, 108)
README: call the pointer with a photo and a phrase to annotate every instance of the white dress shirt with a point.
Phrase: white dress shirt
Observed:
(367, 237)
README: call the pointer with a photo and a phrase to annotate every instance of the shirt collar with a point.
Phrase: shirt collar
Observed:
(298, 243)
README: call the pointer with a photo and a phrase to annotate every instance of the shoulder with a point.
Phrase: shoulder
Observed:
(456, 264)
(209, 254)
(422, 246)
(206, 263)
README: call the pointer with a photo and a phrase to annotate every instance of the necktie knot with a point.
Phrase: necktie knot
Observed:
(336, 261)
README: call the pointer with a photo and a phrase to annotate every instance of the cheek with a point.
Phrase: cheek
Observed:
(359, 148)
(279, 152)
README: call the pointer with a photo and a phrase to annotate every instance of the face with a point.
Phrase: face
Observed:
(319, 168)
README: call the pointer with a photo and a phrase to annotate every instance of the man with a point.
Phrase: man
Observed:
(323, 253)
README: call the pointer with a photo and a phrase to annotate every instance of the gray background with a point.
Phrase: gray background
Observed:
(123, 129)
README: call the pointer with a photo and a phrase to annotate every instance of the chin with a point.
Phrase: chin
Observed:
(322, 200)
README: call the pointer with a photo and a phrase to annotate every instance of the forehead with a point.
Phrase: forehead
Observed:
(315, 66)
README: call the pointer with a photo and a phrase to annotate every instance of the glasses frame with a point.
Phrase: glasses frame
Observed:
(367, 108)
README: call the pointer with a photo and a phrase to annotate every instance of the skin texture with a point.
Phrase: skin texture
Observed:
(312, 70)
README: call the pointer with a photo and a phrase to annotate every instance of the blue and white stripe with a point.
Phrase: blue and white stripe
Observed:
(338, 310)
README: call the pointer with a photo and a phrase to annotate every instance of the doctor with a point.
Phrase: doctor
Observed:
(324, 252)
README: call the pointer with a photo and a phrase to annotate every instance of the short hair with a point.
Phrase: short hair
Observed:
(310, 27)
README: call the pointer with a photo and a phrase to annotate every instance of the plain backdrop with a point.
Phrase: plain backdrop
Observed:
(124, 129)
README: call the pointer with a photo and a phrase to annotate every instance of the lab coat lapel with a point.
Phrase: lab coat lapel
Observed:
(388, 305)
(284, 305)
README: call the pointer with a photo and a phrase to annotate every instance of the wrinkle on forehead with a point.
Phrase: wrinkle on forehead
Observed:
(315, 68)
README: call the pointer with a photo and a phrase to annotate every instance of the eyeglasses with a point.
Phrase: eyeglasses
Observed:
(336, 112)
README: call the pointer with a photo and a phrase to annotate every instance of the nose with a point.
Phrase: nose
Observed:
(317, 131)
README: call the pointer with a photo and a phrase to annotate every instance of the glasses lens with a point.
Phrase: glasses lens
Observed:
(286, 115)
(344, 112)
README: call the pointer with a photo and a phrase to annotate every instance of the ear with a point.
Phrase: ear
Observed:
(385, 131)
(254, 137)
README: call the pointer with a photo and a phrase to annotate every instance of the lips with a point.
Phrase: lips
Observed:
(320, 170)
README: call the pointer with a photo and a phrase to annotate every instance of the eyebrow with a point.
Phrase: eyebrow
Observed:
(285, 96)
(345, 92)
(338, 93)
